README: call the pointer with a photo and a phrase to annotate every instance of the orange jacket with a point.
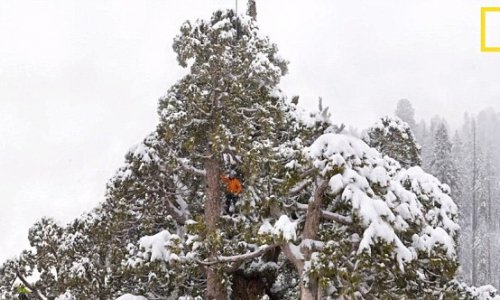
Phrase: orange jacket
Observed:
(233, 185)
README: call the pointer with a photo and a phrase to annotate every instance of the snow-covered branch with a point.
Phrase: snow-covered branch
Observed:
(249, 110)
(178, 216)
(328, 215)
(190, 168)
(236, 258)
(200, 110)
(292, 252)
(38, 294)
(298, 187)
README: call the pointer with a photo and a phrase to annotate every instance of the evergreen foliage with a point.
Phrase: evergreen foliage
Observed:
(406, 112)
(442, 165)
(394, 138)
(323, 214)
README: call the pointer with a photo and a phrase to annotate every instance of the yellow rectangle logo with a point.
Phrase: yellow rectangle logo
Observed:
(485, 11)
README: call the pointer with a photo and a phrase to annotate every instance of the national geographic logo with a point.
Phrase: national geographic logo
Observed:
(490, 29)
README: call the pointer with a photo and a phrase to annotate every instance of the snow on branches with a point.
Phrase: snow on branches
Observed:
(397, 213)
(386, 198)
(393, 137)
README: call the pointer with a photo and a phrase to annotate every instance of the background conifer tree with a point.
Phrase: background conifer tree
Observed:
(442, 165)
(406, 112)
(393, 137)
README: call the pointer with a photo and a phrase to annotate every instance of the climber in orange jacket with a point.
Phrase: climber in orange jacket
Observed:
(233, 190)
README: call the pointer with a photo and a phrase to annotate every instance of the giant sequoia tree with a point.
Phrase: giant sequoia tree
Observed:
(326, 205)
(322, 214)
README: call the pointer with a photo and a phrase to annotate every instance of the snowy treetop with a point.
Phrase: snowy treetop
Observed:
(389, 124)
(393, 137)
(230, 41)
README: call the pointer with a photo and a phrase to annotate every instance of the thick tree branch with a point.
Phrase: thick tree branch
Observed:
(38, 294)
(314, 211)
(308, 172)
(292, 252)
(311, 228)
(200, 110)
(336, 217)
(237, 258)
(191, 169)
(175, 213)
(329, 215)
(234, 266)
(299, 187)
(233, 154)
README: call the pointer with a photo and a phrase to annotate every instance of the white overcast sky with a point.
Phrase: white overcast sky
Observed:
(79, 81)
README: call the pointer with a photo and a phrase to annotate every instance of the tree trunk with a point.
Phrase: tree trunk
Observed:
(215, 288)
(253, 285)
(311, 290)
(489, 226)
(247, 287)
(311, 228)
(306, 293)
(313, 216)
(474, 209)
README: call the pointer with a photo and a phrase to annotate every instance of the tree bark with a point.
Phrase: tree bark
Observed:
(215, 288)
(312, 290)
(307, 293)
(314, 213)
